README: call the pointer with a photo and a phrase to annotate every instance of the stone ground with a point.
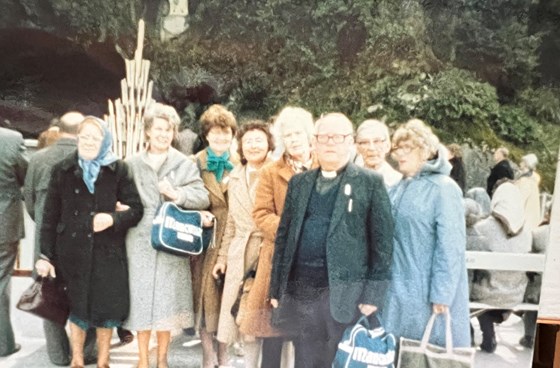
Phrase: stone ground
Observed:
(185, 352)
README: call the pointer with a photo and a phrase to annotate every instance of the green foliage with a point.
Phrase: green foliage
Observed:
(515, 125)
(492, 38)
(456, 96)
(542, 103)
(97, 19)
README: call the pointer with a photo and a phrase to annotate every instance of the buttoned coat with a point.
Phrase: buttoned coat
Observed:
(93, 265)
(359, 242)
(239, 249)
(207, 295)
(37, 180)
(429, 256)
(160, 283)
(269, 204)
(13, 166)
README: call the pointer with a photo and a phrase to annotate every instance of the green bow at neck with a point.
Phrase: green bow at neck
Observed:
(218, 164)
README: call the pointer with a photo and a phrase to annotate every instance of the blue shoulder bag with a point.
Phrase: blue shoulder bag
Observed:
(180, 232)
(361, 347)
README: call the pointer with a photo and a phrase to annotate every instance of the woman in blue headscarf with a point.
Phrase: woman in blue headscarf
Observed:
(91, 203)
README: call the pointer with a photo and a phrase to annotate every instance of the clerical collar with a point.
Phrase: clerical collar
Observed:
(333, 174)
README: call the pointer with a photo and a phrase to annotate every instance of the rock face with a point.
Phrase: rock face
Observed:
(43, 76)
(47, 69)
(60, 55)
(477, 165)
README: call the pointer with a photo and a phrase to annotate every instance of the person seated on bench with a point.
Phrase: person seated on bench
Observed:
(502, 231)
(533, 290)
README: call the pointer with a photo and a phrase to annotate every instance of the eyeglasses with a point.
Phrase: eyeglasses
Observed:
(402, 150)
(89, 138)
(370, 142)
(336, 138)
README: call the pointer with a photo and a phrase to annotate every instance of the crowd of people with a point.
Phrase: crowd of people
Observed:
(341, 224)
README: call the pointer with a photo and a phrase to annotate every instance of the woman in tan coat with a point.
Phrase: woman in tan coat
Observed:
(239, 250)
(215, 164)
(295, 129)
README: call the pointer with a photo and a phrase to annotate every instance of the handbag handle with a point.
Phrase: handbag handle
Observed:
(363, 320)
(428, 332)
(214, 224)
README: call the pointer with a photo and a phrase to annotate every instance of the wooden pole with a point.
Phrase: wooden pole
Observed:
(126, 115)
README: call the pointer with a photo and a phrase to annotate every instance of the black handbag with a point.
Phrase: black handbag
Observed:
(243, 293)
(46, 298)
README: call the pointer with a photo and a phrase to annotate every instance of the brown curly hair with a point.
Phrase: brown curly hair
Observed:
(217, 116)
(253, 125)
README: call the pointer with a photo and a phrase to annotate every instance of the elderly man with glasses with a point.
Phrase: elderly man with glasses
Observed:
(333, 247)
(373, 144)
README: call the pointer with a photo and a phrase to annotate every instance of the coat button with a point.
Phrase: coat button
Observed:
(89, 235)
(76, 191)
(76, 213)
(92, 213)
(73, 235)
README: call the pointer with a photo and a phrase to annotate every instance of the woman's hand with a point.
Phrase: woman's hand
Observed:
(102, 221)
(167, 190)
(367, 309)
(119, 207)
(218, 269)
(440, 308)
(45, 268)
(207, 219)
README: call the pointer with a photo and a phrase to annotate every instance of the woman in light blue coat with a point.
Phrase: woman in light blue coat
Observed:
(429, 274)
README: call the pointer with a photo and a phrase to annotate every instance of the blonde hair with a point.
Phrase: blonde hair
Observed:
(161, 111)
(416, 131)
(294, 114)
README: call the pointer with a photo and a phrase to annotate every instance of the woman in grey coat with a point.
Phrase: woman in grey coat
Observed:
(160, 283)
(504, 231)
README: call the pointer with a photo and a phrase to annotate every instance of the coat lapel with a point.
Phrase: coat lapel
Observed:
(304, 193)
(212, 185)
(345, 194)
(241, 190)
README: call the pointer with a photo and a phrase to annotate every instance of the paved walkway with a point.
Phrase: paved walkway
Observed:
(185, 352)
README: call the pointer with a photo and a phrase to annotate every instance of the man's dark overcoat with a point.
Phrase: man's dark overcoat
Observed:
(359, 242)
(501, 170)
(93, 265)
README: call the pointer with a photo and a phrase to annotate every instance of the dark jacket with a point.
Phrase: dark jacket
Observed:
(359, 242)
(458, 172)
(501, 170)
(13, 165)
(38, 178)
(93, 265)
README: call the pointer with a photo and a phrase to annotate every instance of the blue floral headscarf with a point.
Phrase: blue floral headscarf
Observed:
(91, 168)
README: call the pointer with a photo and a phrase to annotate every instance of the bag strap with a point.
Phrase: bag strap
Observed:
(214, 224)
(428, 332)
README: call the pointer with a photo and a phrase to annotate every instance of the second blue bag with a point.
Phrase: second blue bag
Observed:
(361, 347)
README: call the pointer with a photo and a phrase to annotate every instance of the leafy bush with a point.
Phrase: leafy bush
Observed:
(542, 103)
(515, 125)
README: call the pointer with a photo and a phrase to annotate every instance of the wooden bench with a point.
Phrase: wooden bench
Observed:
(526, 262)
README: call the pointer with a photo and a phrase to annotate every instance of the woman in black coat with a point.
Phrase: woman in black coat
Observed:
(82, 236)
